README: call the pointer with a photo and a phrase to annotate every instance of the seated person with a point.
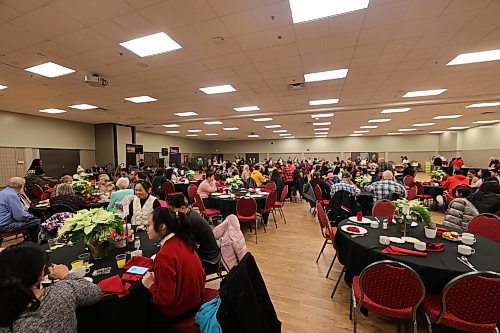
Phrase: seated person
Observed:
(178, 280)
(66, 196)
(36, 178)
(460, 210)
(200, 230)
(117, 196)
(408, 170)
(133, 178)
(278, 180)
(104, 185)
(12, 214)
(482, 175)
(142, 205)
(487, 199)
(207, 187)
(258, 177)
(67, 179)
(386, 188)
(317, 180)
(450, 183)
(345, 184)
(27, 307)
(157, 182)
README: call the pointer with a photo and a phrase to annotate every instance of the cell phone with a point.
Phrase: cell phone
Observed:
(137, 270)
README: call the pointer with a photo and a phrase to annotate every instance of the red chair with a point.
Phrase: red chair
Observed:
(53, 182)
(319, 196)
(192, 189)
(246, 211)
(37, 192)
(408, 181)
(388, 288)
(279, 204)
(412, 193)
(208, 213)
(383, 208)
(169, 189)
(13, 233)
(271, 186)
(469, 302)
(189, 326)
(269, 207)
(486, 225)
(421, 195)
(327, 232)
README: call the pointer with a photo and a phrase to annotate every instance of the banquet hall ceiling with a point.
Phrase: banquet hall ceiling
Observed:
(389, 48)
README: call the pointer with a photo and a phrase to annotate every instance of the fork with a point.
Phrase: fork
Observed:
(355, 236)
(468, 262)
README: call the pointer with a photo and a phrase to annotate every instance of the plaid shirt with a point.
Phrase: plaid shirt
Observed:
(287, 174)
(384, 188)
(343, 186)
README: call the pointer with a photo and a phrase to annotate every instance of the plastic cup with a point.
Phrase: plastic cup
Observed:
(52, 244)
(120, 260)
(77, 263)
(85, 257)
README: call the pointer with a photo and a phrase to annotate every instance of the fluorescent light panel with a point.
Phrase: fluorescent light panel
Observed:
(214, 122)
(231, 128)
(355, 134)
(303, 10)
(50, 69)
(451, 116)
(218, 89)
(83, 106)
(191, 134)
(324, 101)
(407, 129)
(280, 131)
(289, 137)
(272, 126)
(326, 123)
(361, 132)
(172, 132)
(436, 132)
(322, 115)
(141, 99)
(246, 108)
(186, 114)
(422, 93)
(371, 126)
(211, 134)
(475, 57)
(322, 129)
(326, 75)
(394, 133)
(171, 125)
(400, 110)
(320, 136)
(2, 87)
(381, 120)
(285, 134)
(483, 105)
(262, 119)
(423, 124)
(52, 111)
(253, 135)
(458, 127)
(486, 121)
(151, 45)
(321, 133)
(194, 130)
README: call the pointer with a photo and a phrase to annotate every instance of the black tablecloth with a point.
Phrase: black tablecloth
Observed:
(112, 314)
(433, 190)
(436, 269)
(227, 206)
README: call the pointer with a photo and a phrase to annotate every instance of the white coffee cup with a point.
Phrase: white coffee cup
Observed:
(466, 250)
(136, 253)
(384, 240)
(468, 241)
(421, 246)
(374, 224)
(80, 271)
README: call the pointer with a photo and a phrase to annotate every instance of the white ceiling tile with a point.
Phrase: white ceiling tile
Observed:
(91, 12)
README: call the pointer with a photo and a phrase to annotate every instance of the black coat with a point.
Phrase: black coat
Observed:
(245, 303)
(486, 202)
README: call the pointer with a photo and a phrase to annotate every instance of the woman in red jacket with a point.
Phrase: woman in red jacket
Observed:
(178, 280)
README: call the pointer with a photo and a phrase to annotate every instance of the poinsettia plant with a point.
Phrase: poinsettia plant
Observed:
(438, 175)
(83, 186)
(234, 182)
(362, 181)
(189, 174)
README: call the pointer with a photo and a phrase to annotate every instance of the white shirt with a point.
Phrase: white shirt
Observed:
(166, 238)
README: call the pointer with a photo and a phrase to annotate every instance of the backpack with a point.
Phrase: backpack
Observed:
(341, 206)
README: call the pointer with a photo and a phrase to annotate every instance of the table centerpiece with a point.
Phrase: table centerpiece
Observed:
(189, 174)
(234, 183)
(437, 175)
(362, 181)
(417, 213)
(83, 187)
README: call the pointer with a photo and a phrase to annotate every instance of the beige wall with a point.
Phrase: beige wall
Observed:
(155, 142)
(123, 137)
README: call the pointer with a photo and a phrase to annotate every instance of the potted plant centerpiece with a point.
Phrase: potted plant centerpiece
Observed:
(234, 183)
(83, 187)
(189, 174)
(437, 176)
(95, 227)
(362, 181)
(417, 213)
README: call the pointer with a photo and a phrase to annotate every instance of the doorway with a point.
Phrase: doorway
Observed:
(60, 162)
(252, 158)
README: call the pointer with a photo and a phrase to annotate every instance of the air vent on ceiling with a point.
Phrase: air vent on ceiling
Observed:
(296, 85)
(487, 112)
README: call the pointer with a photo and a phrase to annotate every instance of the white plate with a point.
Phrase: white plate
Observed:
(410, 239)
(396, 240)
(363, 221)
(88, 278)
(215, 194)
(256, 195)
(224, 196)
(414, 224)
(362, 230)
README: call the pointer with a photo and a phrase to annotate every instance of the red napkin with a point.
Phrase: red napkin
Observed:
(440, 231)
(434, 247)
(398, 251)
(139, 261)
(265, 190)
(114, 286)
(353, 229)
(237, 197)
(131, 277)
(389, 220)
(359, 216)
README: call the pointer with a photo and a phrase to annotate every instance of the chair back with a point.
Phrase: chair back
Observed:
(318, 193)
(408, 181)
(322, 218)
(284, 193)
(199, 203)
(383, 208)
(37, 192)
(420, 187)
(192, 189)
(246, 207)
(412, 193)
(271, 186)
(392, 284)
(61, 208)
(270, 200)
(486, 225)
(53, 182)
(168, 186)
(473, 297)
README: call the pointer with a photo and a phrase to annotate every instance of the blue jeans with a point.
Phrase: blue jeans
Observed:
(32, 226)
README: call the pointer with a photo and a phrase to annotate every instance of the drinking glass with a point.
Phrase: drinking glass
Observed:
(137, 243)
(52, 244)
(85, 257)
(120, 260)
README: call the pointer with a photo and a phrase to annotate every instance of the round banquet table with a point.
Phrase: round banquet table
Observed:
(42, 211)
(111, 314)
(433, 190)
(227, 206)
(436, 269)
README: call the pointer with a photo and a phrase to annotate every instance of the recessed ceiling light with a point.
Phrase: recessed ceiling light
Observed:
(52, 110)
(327, 75)
(191, 134)
(423, 124)
(436, 132)
(355, 134)
(2, 87)
(324, 101)
(272, 126)
(280, 131)
(322, 129)
(371, 126)
(326, 123)
(320, 136)
(83, 106)
(361, 132)
(285, 134)
(320, 133)
(486, 121)
(394, 133)
(172, 132)
(141, 99)
(231, 128)
(422, 93)
(194, 130)
(400, 110)
(151, 44)
(473, 57)
(262, 119)
(246, 108)
(253, 135)
(303, 11)
(407, 129)
(452, 116)
(381, 120)
(483, 105)
(211, 134)
(458, 127)
(171, 125)
(289, 137)
(215, 122)
(50, 69)
(322, 115)
(218, 89)
(186, 114)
